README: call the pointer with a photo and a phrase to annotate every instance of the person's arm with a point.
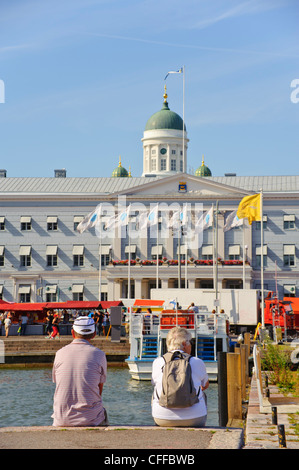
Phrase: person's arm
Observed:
(204, 387)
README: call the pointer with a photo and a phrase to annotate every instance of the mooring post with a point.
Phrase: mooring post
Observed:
(281, 436)
(274, 415)
(222, 389)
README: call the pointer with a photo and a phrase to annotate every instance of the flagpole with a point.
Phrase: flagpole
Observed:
(262, 261)
(243, 254)
(100, 269)
(216, 254)
(129, 261)
(184, 169)
(157, 259)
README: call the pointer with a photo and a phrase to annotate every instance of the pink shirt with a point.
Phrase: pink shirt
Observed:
(78, 370)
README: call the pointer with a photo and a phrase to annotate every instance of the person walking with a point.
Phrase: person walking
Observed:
(79, 372)
(55, 326)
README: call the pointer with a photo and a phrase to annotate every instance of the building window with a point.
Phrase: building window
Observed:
(207, 252)
(77, 220)
(289, 255)
(25, 223)
(25, 256)
(153, 165)
(258, 223)
(51, 293)
(163, 163)
(78, 260)
(2, 256)
(258, 254)
(234, 252)
(2, 223)
(52, 223)
(51, 254)
(173, 152)
(105, 259)
(173, 165)
(78, 255)
(288, 222)
(24, 293)
(181, 165)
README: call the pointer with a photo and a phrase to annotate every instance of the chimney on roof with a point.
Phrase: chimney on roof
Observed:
(60, 173)
(3, 173)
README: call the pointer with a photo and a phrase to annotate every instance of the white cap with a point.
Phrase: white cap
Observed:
(84, 325)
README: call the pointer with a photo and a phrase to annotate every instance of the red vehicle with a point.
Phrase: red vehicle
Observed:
(280, 313)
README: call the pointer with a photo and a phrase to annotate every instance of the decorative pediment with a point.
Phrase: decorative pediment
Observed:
(186, 185)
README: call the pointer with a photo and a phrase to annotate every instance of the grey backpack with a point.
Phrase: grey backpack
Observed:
(178, 390)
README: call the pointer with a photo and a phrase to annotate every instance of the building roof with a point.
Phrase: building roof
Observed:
(108, 185)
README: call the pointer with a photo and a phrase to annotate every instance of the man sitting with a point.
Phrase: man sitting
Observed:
(79, 371)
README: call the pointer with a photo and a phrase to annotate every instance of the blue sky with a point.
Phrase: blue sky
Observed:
(82, 77)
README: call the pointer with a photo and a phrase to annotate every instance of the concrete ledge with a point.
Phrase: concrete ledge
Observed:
(119, 437)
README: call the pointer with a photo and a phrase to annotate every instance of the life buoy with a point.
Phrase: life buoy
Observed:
(295, 356)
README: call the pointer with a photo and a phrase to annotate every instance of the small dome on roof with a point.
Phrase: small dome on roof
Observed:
(203, 170)
(120, 171)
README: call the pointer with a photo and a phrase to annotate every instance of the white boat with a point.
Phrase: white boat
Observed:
(148, 333)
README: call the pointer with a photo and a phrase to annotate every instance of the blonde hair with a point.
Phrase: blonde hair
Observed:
(176, 337)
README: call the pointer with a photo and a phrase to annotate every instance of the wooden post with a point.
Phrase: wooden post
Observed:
(247, 343)
(222, 388)
(234, 389)
(243, 350)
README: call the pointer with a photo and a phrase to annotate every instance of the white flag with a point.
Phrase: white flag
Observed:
(174, 71)
(232, 221)
(123, 217)
(205, 221)
(90, 220)
(148, 218)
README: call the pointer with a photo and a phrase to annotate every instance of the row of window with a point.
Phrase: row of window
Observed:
(173, 165)
(52, 222)
(234, 253)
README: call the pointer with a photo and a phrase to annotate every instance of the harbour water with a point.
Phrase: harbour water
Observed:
(27, 398)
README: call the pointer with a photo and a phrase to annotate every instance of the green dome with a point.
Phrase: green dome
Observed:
(165, 119)
(203, 170)
(120, 172)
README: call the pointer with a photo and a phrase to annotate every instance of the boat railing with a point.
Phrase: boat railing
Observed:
(150, 324)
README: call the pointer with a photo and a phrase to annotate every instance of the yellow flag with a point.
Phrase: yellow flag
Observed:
(250, 207)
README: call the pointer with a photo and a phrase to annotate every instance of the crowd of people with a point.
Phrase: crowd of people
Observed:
(52, 321)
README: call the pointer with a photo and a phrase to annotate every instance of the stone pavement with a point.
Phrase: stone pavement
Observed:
(260, 433)
(120, 437)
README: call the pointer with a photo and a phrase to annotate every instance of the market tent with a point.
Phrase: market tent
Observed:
(73, 304)
(110, 303)
(22, 307)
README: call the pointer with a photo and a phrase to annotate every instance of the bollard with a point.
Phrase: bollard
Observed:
(267, 392)
(281, 436)
(274, 415)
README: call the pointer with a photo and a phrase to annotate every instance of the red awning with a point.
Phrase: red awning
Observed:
(73, 304)
(22, 307)
(110, 303)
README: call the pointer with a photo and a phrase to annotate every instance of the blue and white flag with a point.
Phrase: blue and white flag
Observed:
(148, 218)
(205, 221)
(90, 220)
(174, 71)
(232, 221)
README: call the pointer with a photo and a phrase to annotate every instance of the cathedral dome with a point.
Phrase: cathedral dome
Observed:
(203, 170)
(120, 171)
(165, 119)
